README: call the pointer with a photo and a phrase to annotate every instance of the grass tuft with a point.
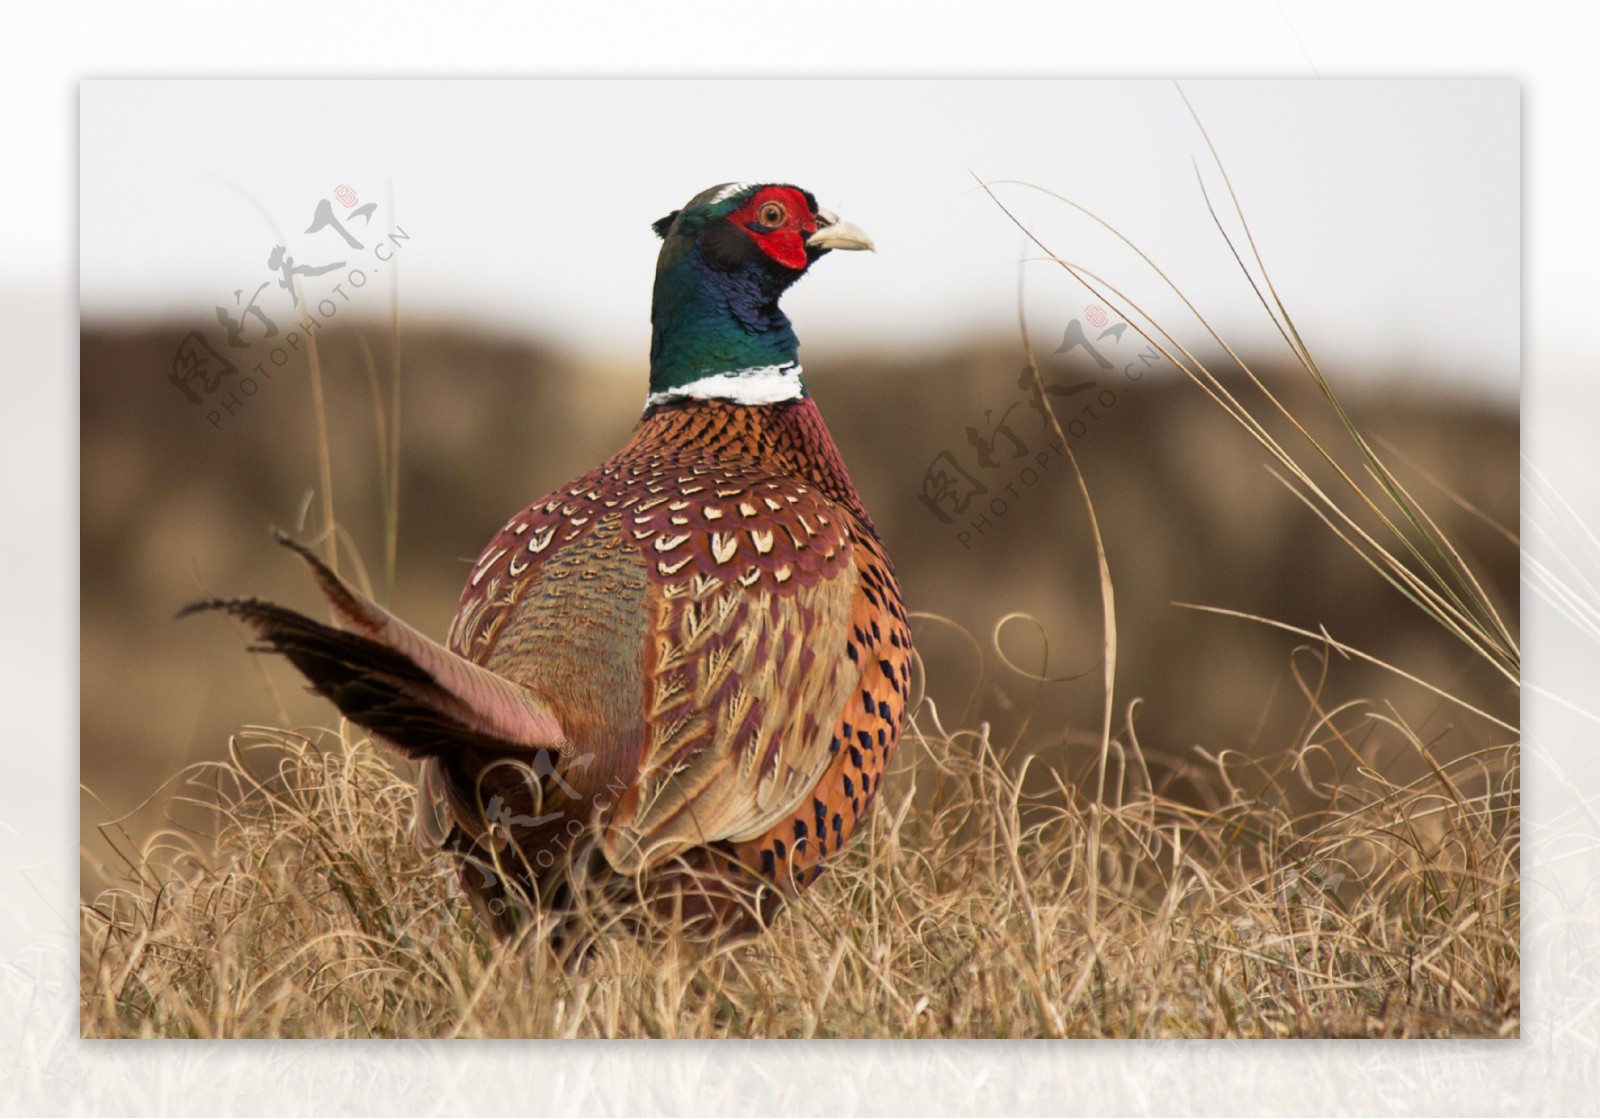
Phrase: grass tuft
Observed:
(1296, 895)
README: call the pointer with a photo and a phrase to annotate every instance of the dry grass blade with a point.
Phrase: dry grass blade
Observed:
(1423, 565)
(1108, 605)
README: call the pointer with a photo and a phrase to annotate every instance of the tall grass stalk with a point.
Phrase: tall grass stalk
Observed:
(1418, 560)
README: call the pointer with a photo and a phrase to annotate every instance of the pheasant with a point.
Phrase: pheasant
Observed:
(681, 675)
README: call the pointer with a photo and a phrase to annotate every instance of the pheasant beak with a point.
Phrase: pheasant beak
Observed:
(835, 234)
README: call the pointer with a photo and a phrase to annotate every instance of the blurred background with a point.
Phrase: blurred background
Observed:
(500, 236)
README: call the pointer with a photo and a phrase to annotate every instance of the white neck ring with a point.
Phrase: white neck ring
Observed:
(763, 384)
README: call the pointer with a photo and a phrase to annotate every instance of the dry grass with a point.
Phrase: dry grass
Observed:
(1379, 910)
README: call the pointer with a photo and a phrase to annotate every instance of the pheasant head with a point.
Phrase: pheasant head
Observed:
(726, 258)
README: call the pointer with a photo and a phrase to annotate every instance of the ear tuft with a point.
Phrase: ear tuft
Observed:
(661, 225)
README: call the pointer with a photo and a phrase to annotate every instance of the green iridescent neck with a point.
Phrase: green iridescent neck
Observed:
(710, 323)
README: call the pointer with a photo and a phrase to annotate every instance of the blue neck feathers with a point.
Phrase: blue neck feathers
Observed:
(709, 321)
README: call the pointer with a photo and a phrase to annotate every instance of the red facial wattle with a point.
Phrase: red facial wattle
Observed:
(785, 242)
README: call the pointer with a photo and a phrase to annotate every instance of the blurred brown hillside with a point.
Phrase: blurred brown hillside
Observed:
(175, 508)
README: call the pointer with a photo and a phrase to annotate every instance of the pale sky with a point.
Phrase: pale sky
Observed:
(1387, 211)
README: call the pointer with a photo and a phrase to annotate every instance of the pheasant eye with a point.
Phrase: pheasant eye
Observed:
(772, 215)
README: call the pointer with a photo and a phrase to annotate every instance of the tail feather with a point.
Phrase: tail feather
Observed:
(387, 677)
